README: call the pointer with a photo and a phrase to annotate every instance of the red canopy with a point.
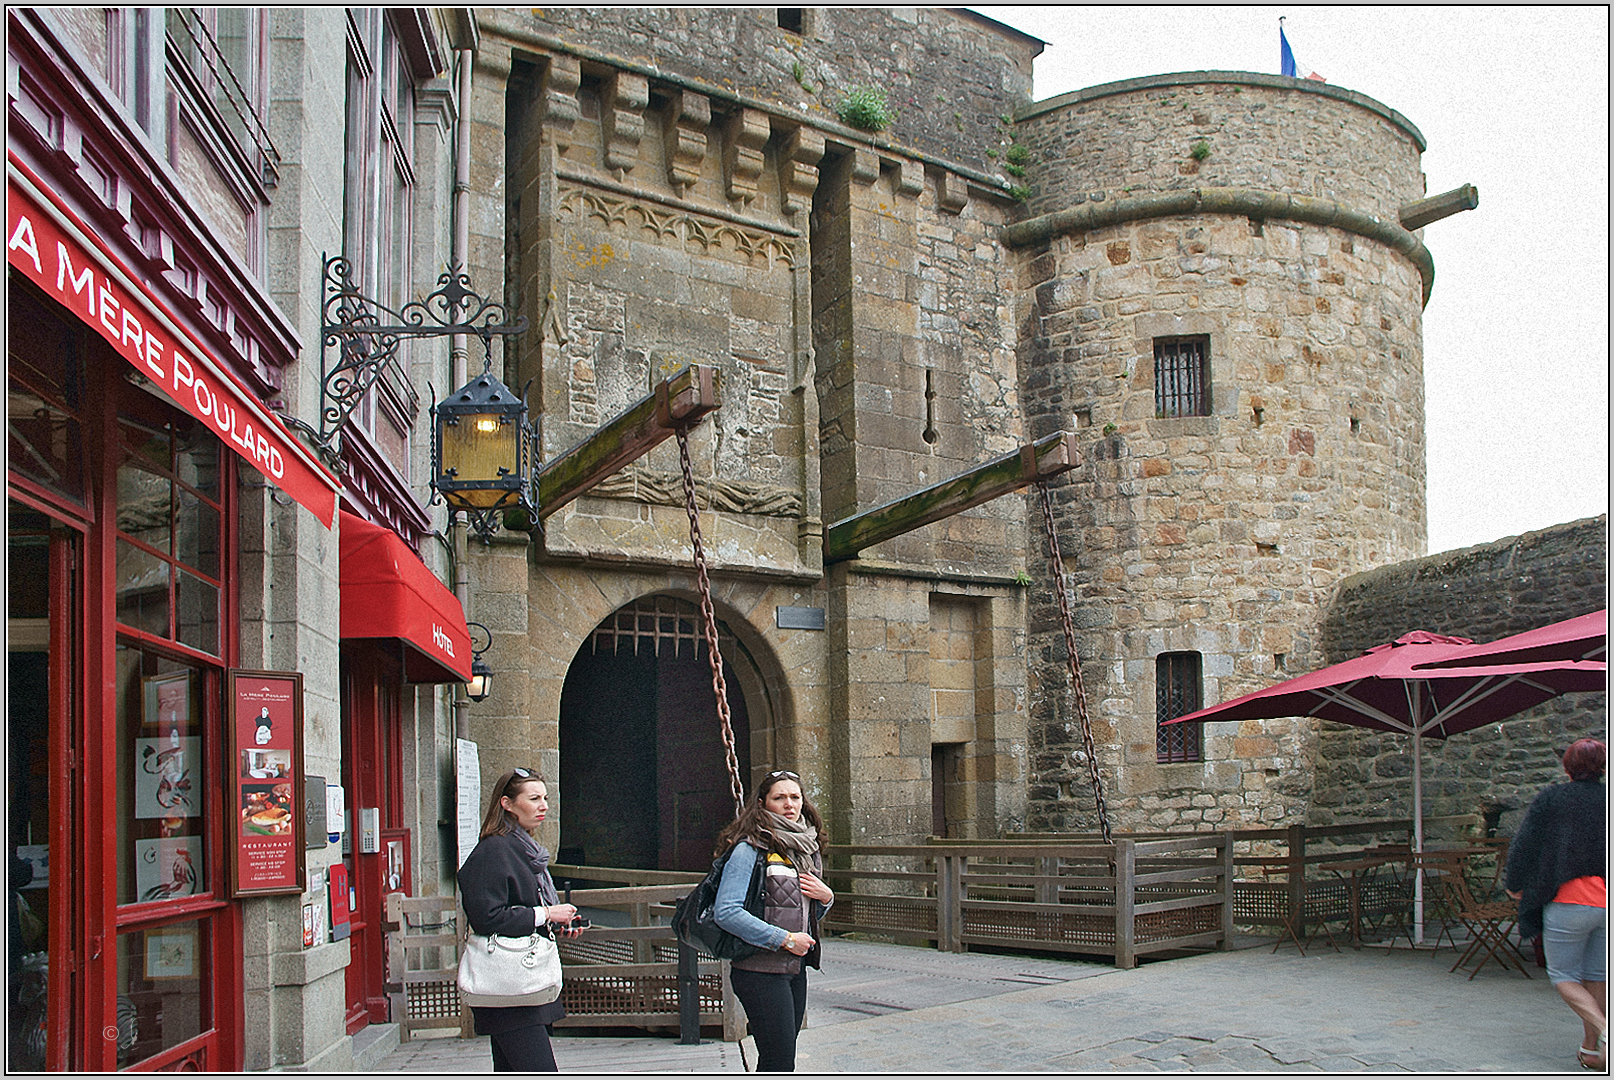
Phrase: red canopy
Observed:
(1584, 637)
(387, 592)
(1398, 687)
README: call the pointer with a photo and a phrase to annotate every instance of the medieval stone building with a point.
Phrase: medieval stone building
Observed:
(1205, 276)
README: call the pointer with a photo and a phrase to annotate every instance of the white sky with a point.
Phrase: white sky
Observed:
(1513, 100)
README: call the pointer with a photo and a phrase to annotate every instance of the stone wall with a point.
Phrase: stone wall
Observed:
(1262, 131)
(1484, 592)
(1220, 534)
(954, 77)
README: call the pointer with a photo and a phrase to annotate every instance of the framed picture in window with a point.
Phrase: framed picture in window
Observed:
(168, 704)
(265, 788)
(171, 953)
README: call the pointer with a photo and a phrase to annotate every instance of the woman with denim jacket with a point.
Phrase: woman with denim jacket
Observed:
(781, 827)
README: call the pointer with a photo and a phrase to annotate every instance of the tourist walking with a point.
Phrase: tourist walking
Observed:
(507, 890)
(782, 828)
(1557, 871)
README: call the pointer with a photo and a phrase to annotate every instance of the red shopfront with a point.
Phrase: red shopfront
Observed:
(123, 623)
(399, 626)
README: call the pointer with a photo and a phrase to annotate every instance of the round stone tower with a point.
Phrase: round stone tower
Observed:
(1220, 297)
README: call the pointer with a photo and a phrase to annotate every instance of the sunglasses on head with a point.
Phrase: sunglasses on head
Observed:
(788, 775)
(524, 774)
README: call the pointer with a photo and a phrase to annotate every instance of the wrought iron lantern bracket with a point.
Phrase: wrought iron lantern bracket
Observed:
(366, 333)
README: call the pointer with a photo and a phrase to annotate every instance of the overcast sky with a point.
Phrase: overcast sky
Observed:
(1513, 100)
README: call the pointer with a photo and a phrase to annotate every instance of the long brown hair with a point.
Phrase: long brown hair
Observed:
(751, 826)
(499, 820)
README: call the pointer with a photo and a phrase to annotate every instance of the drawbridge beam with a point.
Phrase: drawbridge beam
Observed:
(1048, 456)
(678, 402)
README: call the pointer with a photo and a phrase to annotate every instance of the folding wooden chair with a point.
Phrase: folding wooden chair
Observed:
(1489, 924)
(1437, 866)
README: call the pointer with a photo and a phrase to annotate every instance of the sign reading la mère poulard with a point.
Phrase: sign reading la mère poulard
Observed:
(266, 785)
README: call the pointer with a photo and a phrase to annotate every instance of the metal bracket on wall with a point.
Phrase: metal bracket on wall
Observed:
(366, 334)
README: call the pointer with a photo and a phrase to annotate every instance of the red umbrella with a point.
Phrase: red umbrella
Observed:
(1396, 687)
(1584, 637)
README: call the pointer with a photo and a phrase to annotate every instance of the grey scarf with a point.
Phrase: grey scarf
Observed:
(540, 864)
(790, 835)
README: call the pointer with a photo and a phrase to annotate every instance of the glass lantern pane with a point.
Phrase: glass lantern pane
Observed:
(485, 449)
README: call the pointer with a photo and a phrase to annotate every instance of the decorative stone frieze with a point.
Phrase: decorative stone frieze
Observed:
(666, 223)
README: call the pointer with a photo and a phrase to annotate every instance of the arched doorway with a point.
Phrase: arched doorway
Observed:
(643, 778)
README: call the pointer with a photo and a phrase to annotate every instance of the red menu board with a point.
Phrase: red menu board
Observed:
(266, 784)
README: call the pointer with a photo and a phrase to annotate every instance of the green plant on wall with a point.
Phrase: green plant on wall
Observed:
(799, 73)
(1020, 193)
(1022, 578)
(1200, 150)
(866, 108)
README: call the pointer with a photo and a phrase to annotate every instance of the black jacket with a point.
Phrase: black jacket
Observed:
(499, 888)
(1563, 837)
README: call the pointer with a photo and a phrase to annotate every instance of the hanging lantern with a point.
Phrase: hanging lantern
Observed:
(482, 451)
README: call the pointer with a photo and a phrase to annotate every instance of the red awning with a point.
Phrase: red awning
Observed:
(387, 592)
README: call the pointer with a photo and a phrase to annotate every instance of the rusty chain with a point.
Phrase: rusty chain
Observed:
(709, 625)
(1075, 660)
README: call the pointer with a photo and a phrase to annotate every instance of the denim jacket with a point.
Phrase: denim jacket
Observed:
(730, 910)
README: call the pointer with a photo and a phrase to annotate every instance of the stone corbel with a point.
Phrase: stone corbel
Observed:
(798, 168)
(688, 116)
(910, 178)
(626, 95)
(952, 192)
(865, 166)
(561, 107)
(747, 134)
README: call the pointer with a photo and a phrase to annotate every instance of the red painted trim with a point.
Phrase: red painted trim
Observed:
(188, 374)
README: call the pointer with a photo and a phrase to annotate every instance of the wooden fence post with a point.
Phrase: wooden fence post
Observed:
(949, 902)
(1125, 901)
(1227, 889)
(1297, 876)
(689, 996)
(1047, 889)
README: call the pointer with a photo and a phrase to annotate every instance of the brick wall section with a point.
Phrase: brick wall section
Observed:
(1221, 534)
(1484, 592)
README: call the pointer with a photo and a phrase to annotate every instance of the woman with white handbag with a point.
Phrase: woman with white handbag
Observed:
(510, 971)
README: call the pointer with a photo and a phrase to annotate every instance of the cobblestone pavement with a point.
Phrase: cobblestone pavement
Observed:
(888, 1008)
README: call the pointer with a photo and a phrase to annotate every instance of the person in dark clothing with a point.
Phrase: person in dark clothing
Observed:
(782, 827)
(507, 890)
(1557, 868)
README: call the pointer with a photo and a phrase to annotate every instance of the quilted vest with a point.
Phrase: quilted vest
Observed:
(784, 907)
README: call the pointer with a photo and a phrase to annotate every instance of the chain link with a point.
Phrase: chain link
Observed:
(1075, 660)
(709, 625)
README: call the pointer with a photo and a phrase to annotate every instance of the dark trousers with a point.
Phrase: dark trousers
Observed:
(523, 1049)
(774, 1008)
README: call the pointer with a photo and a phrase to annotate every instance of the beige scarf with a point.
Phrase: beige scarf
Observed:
(790, 835)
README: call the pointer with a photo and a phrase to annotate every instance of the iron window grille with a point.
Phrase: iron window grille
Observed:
(1177, 693)
(1181, 377)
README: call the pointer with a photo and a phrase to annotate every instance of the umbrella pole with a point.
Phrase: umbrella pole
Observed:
(1417, 833)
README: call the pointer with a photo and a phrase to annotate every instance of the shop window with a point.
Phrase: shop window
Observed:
(1182, 376)
(44, 389)
(170, 526)
(161, 989)
(1177, 693)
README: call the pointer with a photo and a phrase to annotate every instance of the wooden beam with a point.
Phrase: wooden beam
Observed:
(680, 401)
(1046, 457)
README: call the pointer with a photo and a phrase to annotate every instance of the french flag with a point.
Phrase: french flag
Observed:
(1286, 58)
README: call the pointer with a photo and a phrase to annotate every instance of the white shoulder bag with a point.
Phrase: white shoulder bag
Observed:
(508, 971)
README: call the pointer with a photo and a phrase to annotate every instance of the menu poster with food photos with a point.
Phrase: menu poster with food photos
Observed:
(266, 782)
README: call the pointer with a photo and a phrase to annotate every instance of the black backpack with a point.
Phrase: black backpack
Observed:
(693, 921)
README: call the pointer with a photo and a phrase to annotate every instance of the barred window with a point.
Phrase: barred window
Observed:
(1176, 693)
(1182, 376)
